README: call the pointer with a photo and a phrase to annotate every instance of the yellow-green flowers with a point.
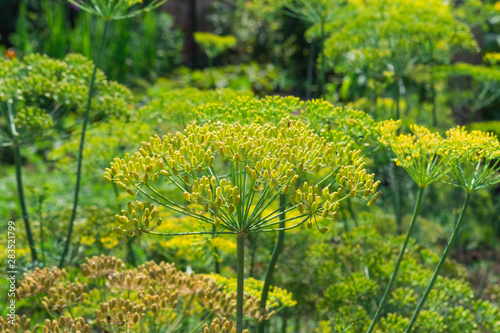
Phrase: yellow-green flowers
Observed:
(263, 162)
(417, 153)
(472, 157)
(229, 174)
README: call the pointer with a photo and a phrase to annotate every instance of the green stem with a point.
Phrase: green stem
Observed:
(322, 55)
(272, 264)
(42, 247)
(253, 244)
(82, 143)
(387, 292)
(440, 264)
(216, 257)
(22, 201)
(240, 250)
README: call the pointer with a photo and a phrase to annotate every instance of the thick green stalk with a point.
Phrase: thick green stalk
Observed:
(22, 201)
(253, 244)
(440, 264)
(82, 143)
(272, 264)
(240, 251)
(387, 292)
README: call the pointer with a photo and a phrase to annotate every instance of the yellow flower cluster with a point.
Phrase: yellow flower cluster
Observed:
(247, 110)
(278, 298)
(465, 159)
(461, 145)
(472, 157)
(417, 153)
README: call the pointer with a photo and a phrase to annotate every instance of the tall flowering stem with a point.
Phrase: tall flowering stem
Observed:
(272, 264)
(231, 175)
(109, 10)
(86, 117)
(473, 161)
(418, 154)
(22, 200)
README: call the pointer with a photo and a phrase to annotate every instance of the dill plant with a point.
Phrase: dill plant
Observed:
(108, 10)
(417, 154)
(472, 159)
(37, 94)
(230, 173)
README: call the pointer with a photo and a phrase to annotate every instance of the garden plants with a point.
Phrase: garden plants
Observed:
(264, 163)
(181, 197)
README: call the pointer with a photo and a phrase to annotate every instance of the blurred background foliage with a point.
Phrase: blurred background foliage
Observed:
(427, 62)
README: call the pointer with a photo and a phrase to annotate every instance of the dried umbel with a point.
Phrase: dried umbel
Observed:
(97, 267)
(264, 161)
(39, 281)
(472, 157)
(131, 280)
(119, 314)
(206, 290)
(65, 325)
(64, 295)
(21, 324)
(417, 153)
(220, 326)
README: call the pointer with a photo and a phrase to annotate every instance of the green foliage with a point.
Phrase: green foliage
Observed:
(212, 44)
(149, 45)
(37, 91)
(387, 38)
(357, 269)
(261, 79)
(486, 126)
(484, 85)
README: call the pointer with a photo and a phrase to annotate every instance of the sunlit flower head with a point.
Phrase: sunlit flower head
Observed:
(472, 157)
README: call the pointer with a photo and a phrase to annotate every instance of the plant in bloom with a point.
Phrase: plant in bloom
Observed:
(473, 162)
(418, 154)
(472, 157)
(230, 173)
